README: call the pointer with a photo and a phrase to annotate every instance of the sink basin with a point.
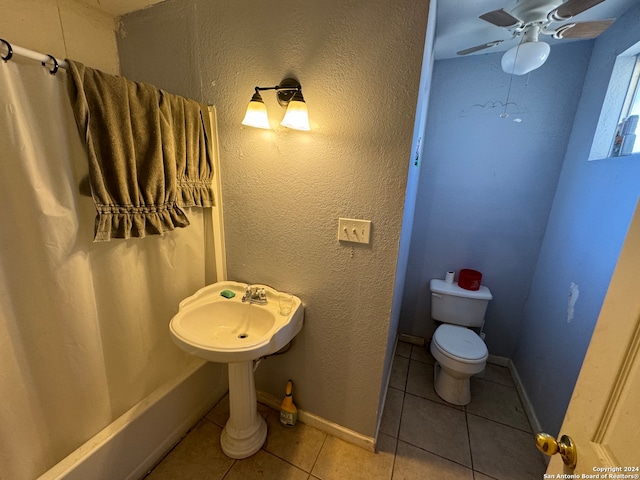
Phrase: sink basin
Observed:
(226, 330)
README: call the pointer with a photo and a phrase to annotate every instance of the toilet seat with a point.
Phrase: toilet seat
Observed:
(460, 344)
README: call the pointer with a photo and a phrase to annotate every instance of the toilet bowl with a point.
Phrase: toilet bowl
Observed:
(459, 354)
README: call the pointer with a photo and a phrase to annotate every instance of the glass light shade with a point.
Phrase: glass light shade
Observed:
(525, 57)
(256, 115)
(297, 115)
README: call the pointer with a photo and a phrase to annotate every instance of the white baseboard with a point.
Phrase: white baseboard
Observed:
(383, 399)
(497, 360)
(403, 337)
(338, 431)
(526, 402)
(132, 444)
(528, 406)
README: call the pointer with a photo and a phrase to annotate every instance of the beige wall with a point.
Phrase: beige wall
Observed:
(359, 64)
(63, 28)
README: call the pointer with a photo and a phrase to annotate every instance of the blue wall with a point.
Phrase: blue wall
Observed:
(487, 183)
(588, 221)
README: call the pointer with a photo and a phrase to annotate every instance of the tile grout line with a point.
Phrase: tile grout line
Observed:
(395, 451)
(404, 392)
(466, 421)
(435, 401)
(175, 445)
(493, 382)
(398, 440)
(229, 469)
(437, 455)
(484, 474)
(315, 462)
(406, 377)
(501, 423)
(297, 467)
(464, 409)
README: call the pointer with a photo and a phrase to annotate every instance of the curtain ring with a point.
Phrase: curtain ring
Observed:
(55, 64)
(9, 50)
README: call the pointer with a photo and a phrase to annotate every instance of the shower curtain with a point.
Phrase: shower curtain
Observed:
(83, 326)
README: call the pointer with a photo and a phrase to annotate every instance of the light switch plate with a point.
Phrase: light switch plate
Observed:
(353, 230)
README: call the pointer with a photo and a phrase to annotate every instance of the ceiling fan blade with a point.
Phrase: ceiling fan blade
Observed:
(500, 18)
(583, 29)
(477, 48)
(571, 8)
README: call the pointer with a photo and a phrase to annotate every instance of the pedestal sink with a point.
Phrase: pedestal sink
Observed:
(219, 329)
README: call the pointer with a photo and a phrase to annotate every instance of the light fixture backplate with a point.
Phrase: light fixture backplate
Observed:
(284, 96)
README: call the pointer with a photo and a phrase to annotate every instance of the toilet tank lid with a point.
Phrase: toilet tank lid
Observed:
(442, 287)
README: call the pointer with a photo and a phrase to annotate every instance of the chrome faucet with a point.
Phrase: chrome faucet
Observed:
(256, 295)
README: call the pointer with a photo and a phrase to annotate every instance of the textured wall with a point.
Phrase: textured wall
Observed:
(591, 212)
(487, 183)
(413, 179)
(63, 28)
(284, 190)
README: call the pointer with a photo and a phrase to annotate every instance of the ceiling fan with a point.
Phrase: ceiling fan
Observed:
(530, 18)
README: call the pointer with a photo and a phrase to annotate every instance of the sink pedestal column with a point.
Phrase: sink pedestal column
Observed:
(245, 431)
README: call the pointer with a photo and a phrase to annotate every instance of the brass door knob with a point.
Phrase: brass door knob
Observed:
(565, 447)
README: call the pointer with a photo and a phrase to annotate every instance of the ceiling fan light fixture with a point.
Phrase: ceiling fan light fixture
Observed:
(525, 57)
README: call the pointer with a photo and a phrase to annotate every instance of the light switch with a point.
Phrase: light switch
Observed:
(352, 230)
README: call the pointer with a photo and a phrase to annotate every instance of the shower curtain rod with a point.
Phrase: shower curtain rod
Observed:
(25, 52)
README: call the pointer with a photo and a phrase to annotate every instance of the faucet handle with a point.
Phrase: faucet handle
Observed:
(262, 293)
(247, 294)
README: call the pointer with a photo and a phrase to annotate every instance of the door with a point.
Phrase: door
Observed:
(603, 417)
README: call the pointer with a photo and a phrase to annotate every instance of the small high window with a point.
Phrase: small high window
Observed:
(624, 141)
(617, 130)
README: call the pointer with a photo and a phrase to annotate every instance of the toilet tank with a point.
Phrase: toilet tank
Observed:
(457, 306)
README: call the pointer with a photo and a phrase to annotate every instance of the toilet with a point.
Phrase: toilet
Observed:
(458, 350)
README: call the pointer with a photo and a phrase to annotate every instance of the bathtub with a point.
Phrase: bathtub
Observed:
(132, 444)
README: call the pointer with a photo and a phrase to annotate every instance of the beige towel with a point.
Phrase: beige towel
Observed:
(191, 125)
(140, 141)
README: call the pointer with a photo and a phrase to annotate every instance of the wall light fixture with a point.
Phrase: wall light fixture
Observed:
(289, 95)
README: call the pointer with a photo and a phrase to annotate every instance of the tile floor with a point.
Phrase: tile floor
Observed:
(421, 438)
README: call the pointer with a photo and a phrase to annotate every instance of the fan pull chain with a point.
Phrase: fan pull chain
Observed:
(504, 114)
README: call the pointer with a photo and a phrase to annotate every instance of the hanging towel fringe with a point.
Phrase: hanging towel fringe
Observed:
(149, 153)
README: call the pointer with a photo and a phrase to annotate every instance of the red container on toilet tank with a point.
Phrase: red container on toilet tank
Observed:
(469, 279)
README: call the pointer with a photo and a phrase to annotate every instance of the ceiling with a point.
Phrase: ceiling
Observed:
(457, 23)
(120, 7)
(458, 26)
